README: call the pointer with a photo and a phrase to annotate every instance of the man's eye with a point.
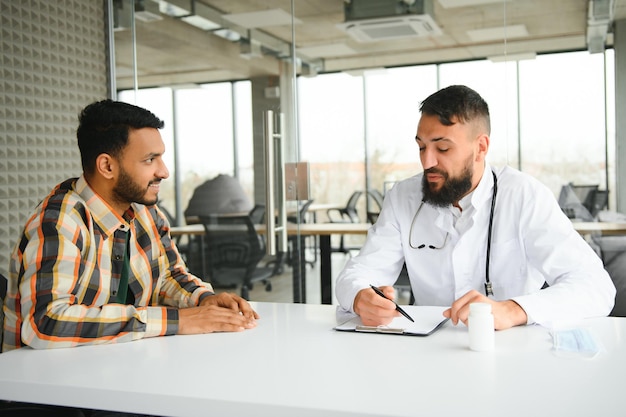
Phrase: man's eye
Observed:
(443, 149)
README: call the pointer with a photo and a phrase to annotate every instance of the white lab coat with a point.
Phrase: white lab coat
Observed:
(533, 242)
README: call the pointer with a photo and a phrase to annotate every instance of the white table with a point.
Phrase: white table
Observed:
(294, 364)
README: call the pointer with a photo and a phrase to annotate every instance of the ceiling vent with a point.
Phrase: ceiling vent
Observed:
(379, 20)
(599, 20)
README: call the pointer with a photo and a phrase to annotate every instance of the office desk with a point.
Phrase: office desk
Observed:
(326, 230)
(605, 228)
(323, 230)
(294, 364)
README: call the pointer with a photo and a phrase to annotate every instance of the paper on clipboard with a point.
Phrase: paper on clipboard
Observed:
(428, 319)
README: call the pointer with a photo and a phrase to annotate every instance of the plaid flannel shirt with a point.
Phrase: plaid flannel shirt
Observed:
(65, 271)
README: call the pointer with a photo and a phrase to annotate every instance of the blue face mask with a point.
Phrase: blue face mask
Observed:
(575, 342)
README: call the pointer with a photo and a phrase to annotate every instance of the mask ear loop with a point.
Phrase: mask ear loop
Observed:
(488, 288)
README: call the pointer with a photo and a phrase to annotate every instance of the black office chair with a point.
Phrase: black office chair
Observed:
(600, 202)
(257, 213)
(347, 214)
(234, 250)
(375, 205)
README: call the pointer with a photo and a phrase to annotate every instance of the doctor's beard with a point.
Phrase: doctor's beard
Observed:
(452, 190)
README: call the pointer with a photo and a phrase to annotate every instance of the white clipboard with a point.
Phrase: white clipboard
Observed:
(428, 319)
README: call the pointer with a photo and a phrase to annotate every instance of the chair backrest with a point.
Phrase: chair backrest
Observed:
(570, 203)
(231, 243)
(585, 194)
(372, 216)
(374, 204)
(257, 214)
(303, 208)
(377, 197)
(350, 209)
(600, 202)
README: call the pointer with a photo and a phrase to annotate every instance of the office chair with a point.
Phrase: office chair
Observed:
(234, 250)
(600, 202)
(257, 214)
(347, 214)
(374, 210)
(571, 203)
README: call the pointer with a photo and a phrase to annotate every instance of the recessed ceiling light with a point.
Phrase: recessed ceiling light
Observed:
(498, 33)
(449, 4)
(512, 57)
(320, 51)
(272, 17)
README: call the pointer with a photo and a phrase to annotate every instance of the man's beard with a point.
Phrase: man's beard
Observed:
(452, 190)
(128, 191)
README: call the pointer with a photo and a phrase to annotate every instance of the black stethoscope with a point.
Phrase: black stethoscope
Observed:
(488, 287)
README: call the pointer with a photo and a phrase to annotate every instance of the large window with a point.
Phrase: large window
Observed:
(392, 102)
(496, 83)
(562, 118)
(332, 135)
(548, 118)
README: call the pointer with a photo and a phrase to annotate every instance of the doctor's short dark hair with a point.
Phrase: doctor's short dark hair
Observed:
(457, 102)
(104, 127)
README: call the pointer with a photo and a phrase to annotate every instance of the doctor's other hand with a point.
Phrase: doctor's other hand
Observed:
(374, 309)
(506, 313)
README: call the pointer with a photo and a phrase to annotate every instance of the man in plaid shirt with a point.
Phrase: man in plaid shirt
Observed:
(95, 263)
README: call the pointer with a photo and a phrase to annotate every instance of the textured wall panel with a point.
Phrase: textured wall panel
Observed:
(52, 64)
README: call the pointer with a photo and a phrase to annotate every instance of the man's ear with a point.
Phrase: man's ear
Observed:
(483, 146)
(106, 166)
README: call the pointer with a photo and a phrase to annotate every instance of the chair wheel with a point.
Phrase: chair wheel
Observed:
(268, 286)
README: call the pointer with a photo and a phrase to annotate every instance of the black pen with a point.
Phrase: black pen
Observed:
(398, 308)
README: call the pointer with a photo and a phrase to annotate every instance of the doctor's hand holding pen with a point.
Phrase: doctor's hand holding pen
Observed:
(374, 309)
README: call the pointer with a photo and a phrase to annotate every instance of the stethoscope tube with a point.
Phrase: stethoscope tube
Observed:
(488, 288)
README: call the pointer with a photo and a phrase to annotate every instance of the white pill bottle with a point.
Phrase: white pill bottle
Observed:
(481, 327)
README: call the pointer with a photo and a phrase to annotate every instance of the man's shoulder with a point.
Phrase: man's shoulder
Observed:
(511, 176)
(520, 184)
(63, 197)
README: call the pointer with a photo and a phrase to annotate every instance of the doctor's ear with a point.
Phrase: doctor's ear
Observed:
(483, 146)
(106, 165)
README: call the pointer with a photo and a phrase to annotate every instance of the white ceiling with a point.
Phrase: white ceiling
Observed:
(171, 51)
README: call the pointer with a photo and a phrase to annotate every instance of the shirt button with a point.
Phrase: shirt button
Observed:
(118, 257)
(114, 292)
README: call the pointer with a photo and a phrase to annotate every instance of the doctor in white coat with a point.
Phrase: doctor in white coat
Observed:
(469, 232)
